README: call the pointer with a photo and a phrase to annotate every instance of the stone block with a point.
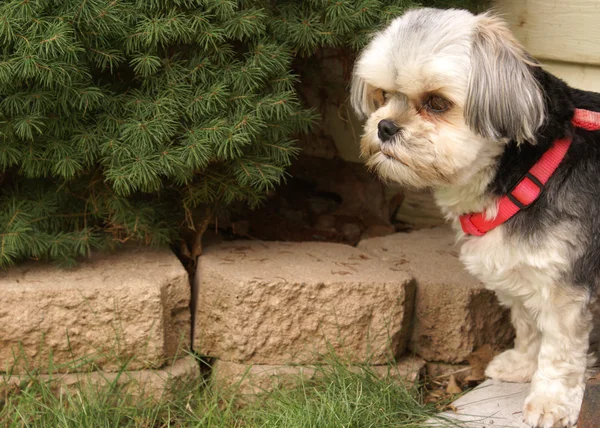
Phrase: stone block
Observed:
(246, 379)
(454, 314)
(408, 370)
(128, 307)
(154, 384)
(418, 210)
(274, 303)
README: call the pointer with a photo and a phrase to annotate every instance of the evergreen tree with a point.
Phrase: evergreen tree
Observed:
(132, 120)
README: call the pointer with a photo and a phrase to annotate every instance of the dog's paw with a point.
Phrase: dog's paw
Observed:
(547, 410)
(512, 366)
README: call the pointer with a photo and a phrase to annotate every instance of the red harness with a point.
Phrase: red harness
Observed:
(531, 186)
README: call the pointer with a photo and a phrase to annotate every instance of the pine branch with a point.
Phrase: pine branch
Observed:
(123, 120)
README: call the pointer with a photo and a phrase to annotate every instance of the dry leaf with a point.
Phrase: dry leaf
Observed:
(452, 407)
(453, 387)
(479, 360)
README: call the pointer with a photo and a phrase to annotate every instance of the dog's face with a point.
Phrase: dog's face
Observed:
(443, 91)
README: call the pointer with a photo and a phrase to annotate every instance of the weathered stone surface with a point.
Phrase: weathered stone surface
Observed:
(339, 129)
(454, 314)
(590, 408)
(280, 303)
(142, 383)
(419, 210)
(377, 231)
(249, 379)
(407, 370)
(131, 306)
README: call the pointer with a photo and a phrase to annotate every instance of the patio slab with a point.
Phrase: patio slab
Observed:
(491, 404)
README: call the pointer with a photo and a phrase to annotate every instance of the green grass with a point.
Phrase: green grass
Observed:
(339, 397)
(336, 397)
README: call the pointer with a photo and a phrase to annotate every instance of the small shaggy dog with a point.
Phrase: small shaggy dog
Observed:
(454, 103)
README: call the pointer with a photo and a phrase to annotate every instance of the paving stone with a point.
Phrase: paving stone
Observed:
(131, 306)
(142, 383)
(247, 379)
(491, 404)
(407, 370)
(500, 404)
(454, 314)
(274, 303)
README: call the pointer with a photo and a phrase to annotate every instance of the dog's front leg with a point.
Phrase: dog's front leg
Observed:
(518, 364)
(557, 385)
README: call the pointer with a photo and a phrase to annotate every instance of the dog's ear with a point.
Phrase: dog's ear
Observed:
(359, 96)
(364, 98)
(504, 99)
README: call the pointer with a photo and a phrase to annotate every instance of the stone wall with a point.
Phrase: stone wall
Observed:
(267, 312)
(267, 306)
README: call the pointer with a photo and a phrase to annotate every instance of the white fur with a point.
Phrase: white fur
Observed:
(551, 318)
(425, 51)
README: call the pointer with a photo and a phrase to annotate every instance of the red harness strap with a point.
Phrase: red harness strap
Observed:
(530, 187)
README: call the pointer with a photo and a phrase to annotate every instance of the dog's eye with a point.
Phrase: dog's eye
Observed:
(437, 104)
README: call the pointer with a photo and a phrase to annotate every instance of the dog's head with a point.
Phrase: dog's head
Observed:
(443, 91)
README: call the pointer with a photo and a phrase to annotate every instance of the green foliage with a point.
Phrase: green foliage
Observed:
(119, 119)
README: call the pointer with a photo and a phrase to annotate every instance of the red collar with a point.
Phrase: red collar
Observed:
(532, 184)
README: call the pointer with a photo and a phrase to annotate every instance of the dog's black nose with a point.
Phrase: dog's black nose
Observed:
(386, 130)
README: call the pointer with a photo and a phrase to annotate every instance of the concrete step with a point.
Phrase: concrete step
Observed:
(500, 404)
(491, 404)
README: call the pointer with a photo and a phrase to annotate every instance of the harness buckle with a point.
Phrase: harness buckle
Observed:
(522, 195)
